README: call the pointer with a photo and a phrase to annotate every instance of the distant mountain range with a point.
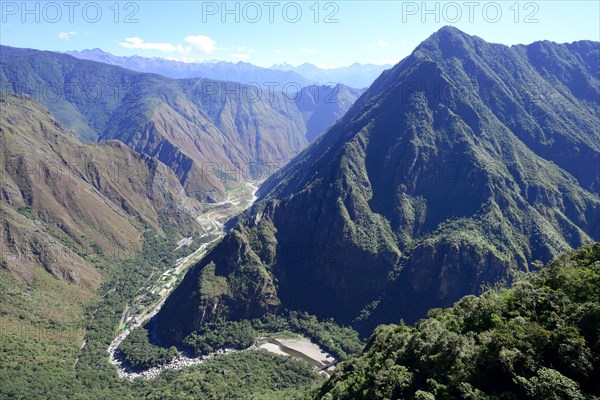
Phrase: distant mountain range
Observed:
(356, 75)
(214, 135)
(242, 72)
(284, 75)
(464, 163)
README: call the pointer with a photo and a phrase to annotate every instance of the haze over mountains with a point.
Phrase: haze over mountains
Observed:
(212, 134)
(282, 75)
(465, 162)
(355, 75)
(219, 70)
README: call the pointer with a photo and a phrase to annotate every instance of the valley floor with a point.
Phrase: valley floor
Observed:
(139, 312)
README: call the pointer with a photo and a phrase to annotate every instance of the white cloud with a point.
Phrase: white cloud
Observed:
(379, 43)
(66, 35)
(279, 51)
(137, 43)
(201, 44)
(184, 50)
(193, 45)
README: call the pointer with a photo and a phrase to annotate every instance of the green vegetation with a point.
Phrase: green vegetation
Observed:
(140, 355)
(340, 341)
(221, 335)
(27, 212)
(238, 375)
(40, 334)
(128, 276)
(243, 375)
(40, 347)
(538, 340)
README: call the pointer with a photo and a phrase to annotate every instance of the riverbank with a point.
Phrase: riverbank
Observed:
(301, 348)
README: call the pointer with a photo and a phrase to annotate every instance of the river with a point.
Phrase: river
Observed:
(212, 222)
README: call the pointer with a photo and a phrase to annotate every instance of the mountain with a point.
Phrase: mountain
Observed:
(464, 163)
(213, 135)
(355, 75)
(325, 105)
(62, 200)
(221, 70)
(84, 229)
(537, 340)
(283, 75)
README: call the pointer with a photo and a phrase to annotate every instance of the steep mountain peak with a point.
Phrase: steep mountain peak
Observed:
(283, 66)
(449, 31)
(446, 42)
(464, 162)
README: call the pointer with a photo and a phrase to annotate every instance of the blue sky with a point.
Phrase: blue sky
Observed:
(268, 32)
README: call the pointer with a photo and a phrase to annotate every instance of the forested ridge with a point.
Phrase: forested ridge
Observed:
(540, 340)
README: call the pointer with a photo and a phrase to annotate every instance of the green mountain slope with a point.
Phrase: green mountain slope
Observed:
(538, 340)
(212, 134)
(446, 175)
(82, 228)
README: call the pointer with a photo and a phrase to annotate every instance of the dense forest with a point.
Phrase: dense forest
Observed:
(540, 340)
